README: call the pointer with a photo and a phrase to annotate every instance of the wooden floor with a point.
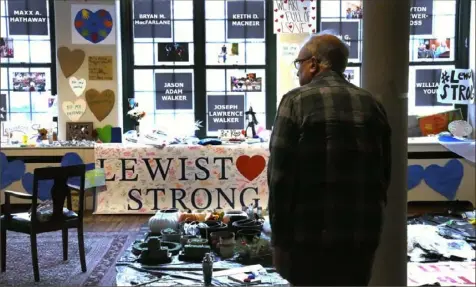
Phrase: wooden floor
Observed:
(114, 223)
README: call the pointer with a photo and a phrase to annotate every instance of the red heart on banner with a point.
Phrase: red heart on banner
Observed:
(275, 10)
(279, 30)
(251, 167)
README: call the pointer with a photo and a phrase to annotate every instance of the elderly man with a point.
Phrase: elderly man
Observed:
(328, 172)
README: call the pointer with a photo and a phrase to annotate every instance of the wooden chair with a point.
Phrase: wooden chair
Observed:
(59, 220)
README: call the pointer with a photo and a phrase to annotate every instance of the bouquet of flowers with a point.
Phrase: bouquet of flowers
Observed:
(136, 113)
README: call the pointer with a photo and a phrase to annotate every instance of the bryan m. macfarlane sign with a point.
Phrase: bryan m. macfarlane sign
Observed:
(456, 87)
(346, 31)
(226, 112)
(27, 17)
(426, 87)
(143, 179)
(245, 19)
(421, 20)
(174, 91)
(152, 19)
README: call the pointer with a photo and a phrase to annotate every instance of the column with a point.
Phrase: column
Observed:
(385, 62)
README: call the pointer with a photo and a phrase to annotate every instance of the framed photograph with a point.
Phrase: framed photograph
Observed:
(173, 52)
(432, 49)
(79, 131)
(29, 82)
(247, 83)
(6, 48)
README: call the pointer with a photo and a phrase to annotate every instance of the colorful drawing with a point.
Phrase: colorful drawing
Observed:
(95, 27)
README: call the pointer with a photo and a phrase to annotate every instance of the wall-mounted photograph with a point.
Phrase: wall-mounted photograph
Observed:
(173, 52)
(247, 83)
(6, 48)
(29, 82)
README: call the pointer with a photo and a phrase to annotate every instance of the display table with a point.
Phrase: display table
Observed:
(143, 178)
(131, 273)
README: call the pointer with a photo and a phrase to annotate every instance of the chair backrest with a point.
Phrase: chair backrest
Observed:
(59, 190)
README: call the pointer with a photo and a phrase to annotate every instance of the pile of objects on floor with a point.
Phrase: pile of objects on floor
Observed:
(436, 237)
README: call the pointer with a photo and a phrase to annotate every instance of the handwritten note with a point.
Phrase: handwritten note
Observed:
(74, 110)
(294, 16)
(100, 68)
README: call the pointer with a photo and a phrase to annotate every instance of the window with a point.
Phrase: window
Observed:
(164, 60)
(432, 48)
(235, 62)
(27, 80)
(344, 19)
(233, 66)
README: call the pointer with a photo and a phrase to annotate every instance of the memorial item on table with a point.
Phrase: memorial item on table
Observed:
(437, 123)
(196, 215)
(256, 251)
(231, 216)
(139, 246)
(170, 234)
(163, 219)
(227, 245)
(460, 129)
(185, 238)
(137, 115)
(190, 228)
(252, 122)
(194, 252)
(154, 253)
(209, 226)
(247, 224)
(42, 135)
(214, 238)
(207, 269)
(216, 215)
(80, 131)
(248, 234)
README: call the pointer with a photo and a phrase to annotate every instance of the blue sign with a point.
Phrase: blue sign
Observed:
(174, 91)
(226, 112)
(245, 19)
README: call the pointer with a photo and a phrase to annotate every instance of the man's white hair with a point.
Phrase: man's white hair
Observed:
(329, 50)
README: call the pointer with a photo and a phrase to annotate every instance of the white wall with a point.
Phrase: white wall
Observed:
(472, 64)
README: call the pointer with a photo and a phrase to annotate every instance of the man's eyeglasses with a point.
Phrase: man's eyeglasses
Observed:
(298, 62)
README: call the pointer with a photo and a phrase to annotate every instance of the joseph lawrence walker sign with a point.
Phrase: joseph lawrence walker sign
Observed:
(144, 179)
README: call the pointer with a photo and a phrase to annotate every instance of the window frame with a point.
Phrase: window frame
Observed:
(51, 66)
(199, 65)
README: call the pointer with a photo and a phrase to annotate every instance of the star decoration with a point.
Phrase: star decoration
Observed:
(445, 78)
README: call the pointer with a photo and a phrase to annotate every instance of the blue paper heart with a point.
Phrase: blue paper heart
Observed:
(93, 26)
(10, 171)
(445, 179)
(44, 186)
(72, 158)
(415, 175)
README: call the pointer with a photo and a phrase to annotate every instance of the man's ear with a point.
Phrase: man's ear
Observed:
(314, 65)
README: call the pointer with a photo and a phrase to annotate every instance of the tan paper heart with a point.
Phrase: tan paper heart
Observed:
(74, 110)
(70, 61)
(100, 104)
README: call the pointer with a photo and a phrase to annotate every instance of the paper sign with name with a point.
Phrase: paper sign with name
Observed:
(230, 134)
(225, 112)
(294, 16)
(143, 178)
(77, 85)
(26, 17)
(174, 91)
(456, 87)
(421, 17)
(246, 19)
(152, 18)
(100, 68)
(74, 110)
(426, 87)
(347, 32)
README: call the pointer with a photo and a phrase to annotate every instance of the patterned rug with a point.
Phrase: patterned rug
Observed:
(102, 250)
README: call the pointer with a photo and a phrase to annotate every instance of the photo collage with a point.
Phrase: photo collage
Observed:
(6, 48)
(246, 83)
(29, 82)
(173, 52)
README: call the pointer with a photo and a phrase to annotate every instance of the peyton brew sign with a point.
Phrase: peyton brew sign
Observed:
(143, 179)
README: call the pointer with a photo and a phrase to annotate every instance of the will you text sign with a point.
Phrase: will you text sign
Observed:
(143, 179)
(294, 16)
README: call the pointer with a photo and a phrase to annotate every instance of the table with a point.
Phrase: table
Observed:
(140, 179)
(128, 273)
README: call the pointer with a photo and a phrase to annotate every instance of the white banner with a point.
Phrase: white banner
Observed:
(294, 16)
(143, 179)
(444, 273)
(456, 87)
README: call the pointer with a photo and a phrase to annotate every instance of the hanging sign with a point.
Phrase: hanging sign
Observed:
(294, 17)
(456, 87)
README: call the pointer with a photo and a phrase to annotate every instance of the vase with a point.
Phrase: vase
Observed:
(163, 219)
(231, 216)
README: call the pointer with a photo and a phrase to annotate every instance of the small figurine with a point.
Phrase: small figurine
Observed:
(252, 122)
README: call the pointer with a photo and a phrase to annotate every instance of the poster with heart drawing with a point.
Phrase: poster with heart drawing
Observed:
(295, 16)
(93, 24)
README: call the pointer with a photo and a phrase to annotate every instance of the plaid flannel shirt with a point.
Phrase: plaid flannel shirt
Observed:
(329, 166)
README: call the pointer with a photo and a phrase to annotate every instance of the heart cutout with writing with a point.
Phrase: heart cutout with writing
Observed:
(105, 133)
(74, 110)
(70, 61)
(77, 85)
(72, 158)
(414, 176)
(10, 171)
(250, 167)
(445, 179)
(100, 104)
(93, 26)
